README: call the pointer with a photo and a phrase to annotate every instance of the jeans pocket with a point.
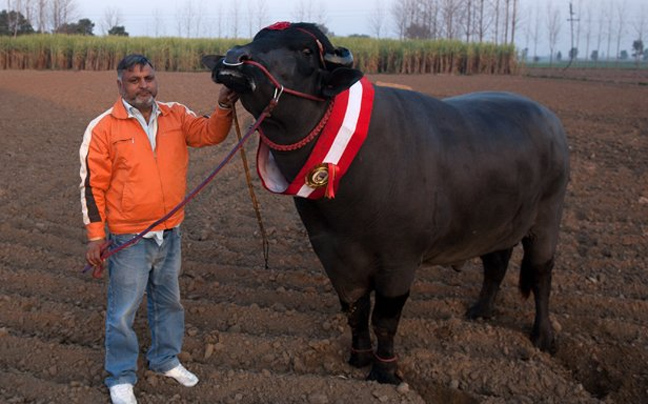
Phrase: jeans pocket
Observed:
(120, 239)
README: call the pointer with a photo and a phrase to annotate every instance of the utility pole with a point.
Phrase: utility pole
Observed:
(571, 20)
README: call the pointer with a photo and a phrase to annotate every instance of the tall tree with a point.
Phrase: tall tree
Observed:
(219, 21)
(199, 13)
(377, 19)
(426, 15)
(482, 24)
(535, 33)
(41, 15)
(468, 17)
(401, 12)
(117, 31)
(609, 18)
(496, 13)
(579, 10)
(639, 24)
(515, 20)
(82, 27)
(600, 34)
(234, 18)
(186, 19)
(621, 25)
(450, 16)
(19, 13)
(637, 50)
(251, 11)
(553, 28)
(14, 23)
(158, 23)
(62, 12)
(112, 18)
(639, 27)
(507, 4)
(262, 7)
(588, 30)
(307, 12)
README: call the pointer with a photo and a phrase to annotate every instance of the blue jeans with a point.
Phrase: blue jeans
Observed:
(155, 269)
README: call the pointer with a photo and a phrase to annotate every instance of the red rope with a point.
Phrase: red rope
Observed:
(278, 85)
(304, 141)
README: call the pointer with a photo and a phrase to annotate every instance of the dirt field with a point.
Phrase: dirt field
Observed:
(277, 336)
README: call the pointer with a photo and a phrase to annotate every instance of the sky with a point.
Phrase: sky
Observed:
(342, 17)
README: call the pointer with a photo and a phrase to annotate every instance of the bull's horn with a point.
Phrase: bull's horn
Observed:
(341, 56)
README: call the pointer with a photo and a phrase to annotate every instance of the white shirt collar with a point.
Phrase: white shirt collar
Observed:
(133, 112)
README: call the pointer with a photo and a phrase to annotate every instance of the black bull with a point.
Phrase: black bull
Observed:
(436, 181)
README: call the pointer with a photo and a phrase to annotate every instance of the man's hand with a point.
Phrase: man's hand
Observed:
(93, 256)
(226, 98)
(93, 252)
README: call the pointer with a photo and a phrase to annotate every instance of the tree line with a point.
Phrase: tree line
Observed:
(22, 17)
(596, 29)
(601, 27)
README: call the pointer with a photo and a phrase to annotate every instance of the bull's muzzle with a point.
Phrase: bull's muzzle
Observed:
(237, 56)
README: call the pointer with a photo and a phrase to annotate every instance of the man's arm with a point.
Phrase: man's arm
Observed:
(202, 131)
(95, 172)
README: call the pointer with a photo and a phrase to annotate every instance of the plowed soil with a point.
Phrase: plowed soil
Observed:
(257, 335)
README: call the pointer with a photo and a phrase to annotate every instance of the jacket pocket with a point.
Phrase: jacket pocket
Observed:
(123, 148)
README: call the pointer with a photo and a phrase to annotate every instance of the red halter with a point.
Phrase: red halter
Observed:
(278, 85)
(279, 89)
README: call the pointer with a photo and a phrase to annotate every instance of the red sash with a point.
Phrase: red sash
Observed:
(333, 153)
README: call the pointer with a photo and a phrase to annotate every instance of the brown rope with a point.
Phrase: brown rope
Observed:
(255, 202)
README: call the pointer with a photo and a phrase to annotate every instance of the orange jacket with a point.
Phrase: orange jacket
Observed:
(125, 184)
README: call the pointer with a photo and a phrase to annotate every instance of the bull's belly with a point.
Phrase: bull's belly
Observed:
(462, 247)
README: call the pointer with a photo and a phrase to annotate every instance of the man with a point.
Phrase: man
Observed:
(134, 161)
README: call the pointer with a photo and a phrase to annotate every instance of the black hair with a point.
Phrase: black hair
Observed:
(131, 60)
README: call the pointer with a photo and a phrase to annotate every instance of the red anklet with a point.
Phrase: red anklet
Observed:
(392, 359)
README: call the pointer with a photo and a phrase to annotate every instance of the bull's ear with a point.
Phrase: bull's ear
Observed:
(211, 61)
(339, 80)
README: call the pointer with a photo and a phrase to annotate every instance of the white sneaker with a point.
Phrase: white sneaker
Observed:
(122, 394)
(182, 376)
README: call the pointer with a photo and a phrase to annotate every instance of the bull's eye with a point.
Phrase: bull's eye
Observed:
(307, 51)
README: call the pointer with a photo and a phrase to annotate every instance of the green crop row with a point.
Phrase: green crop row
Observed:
(64, 52)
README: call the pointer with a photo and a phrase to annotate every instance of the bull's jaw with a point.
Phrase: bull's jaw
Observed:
(234, 79)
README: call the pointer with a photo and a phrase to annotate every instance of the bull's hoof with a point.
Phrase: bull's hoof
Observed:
(546, 342)
(361, 358)
(385, 372)
(480, 310)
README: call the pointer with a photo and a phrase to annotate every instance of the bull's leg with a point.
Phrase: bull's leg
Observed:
(535, 275)
(495, 265)
(385, 318)
(358, 320)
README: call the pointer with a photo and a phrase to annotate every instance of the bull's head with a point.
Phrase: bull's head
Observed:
(297, 56)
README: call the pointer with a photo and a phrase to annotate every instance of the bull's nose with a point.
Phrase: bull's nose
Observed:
(236, 56)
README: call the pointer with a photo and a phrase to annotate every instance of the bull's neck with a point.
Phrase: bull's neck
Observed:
(289, 125)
